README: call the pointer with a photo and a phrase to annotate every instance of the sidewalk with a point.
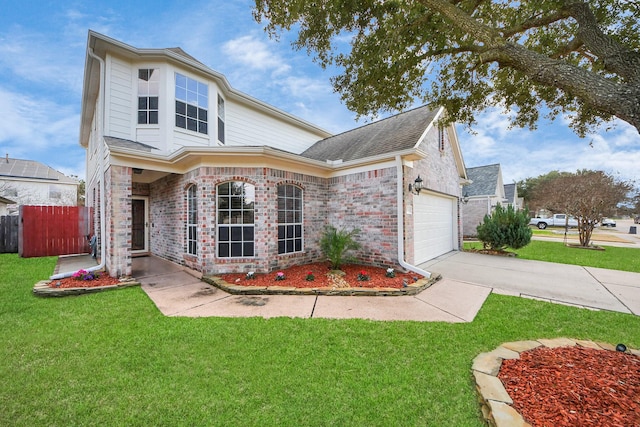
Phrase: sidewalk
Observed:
(468, 279)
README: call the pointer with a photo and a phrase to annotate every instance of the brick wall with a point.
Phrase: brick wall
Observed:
(473, 214)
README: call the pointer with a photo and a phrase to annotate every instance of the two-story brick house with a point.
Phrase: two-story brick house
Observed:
(183, 166)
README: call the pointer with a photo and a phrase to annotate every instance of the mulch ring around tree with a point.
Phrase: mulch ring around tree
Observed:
(319, 275)
(560, 383)
(574, 386)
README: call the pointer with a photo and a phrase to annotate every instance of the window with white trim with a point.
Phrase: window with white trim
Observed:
(236, 211)
(192, 104)
(148, 91)
(221, 119)
(290, 237)
(192, 220)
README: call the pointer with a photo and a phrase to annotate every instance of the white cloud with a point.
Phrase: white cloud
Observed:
(255, 54)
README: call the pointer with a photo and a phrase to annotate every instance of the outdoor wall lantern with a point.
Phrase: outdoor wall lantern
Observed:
(465, 198)
(417, 186)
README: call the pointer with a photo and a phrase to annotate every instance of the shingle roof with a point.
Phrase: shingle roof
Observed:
(510, 192)
(30, 169)
(485, 180)
(126, 143)
(396, 133)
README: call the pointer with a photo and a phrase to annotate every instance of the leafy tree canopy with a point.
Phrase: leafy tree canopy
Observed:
(575, 57)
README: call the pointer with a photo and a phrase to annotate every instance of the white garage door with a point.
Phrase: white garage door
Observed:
(433, 226)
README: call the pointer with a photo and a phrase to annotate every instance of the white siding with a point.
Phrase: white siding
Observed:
(120, 110)
(246, 126)
(149, 135)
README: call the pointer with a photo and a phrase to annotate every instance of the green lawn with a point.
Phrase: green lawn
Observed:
(113, 359)
(612, 257)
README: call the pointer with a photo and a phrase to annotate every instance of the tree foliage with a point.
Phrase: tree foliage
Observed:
(505, 227)
(587, 195)
(576, 57)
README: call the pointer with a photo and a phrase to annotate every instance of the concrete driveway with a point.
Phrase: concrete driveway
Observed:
(588, 287)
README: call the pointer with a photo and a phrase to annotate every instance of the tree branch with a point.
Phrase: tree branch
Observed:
(536, 22)
(616, 58)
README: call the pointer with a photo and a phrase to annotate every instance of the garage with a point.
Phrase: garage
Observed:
(433, 226)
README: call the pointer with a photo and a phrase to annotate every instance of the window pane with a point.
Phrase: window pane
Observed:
(181, 94)
(153, 102)
(192, 111)
(181, 108)
(142, 117)
(297, 231)
(281, 232)
(192, 125)
(236, 249)
(142, 103)
(281, 247)
(202, 114)
(153, 117)
(236, 234)
(223, 234)
(143, 74)
(289, 245)
(298, 245)
(247, 234)
(248, 249)
(223, 250)
(181, 122)
(203, 128)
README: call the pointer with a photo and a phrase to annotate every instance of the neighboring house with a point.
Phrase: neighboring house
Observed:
(4, 205)
(511, 196)
(183, 166)
(27, 182)
(482, 195)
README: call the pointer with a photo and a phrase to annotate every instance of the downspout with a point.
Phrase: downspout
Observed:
(400, 208)
(100, 132)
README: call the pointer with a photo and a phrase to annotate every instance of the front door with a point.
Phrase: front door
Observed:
(139, 226)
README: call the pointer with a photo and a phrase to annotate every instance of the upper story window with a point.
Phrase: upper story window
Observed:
(220, 119)
(148, 91)
(236, 219)
(192, 104)
(192, 220)
(289, 219)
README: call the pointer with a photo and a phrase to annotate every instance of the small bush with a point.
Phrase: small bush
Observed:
(505, 228)
(335, 243)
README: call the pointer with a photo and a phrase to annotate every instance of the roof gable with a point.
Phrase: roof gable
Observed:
(485, 180)
(396, 133)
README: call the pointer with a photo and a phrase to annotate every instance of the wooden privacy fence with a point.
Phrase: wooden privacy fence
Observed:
(53, 230)
(8, 234)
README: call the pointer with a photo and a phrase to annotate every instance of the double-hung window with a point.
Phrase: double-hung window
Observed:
(192, 220)
(235, 209)
(289, 219)
(148, 91)
(192, 104)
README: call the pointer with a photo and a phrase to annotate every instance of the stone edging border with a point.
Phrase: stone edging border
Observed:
(494, 398)
(42, 288)
(411, 289)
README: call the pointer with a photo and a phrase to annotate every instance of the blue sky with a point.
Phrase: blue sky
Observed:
(42, 51)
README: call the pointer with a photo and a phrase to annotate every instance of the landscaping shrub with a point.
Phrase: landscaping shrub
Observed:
(335, 243)
(505, 228)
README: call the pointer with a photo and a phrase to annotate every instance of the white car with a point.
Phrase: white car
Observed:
(608, 222)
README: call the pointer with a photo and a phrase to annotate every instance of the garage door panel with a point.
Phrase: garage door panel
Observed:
(433, 226)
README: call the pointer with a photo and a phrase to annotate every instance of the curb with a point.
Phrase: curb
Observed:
(42, 288)
(410, 289)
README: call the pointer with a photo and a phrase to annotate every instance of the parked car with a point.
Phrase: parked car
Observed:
(558, 220)
(608, 222)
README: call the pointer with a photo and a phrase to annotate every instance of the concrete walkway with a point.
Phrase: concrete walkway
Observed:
(468, 279)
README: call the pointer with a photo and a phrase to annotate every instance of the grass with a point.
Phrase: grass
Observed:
(612, 257)
(113, 359)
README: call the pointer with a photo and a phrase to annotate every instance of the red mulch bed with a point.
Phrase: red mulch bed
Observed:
(574, 386)
(296, 276)
(72, 282)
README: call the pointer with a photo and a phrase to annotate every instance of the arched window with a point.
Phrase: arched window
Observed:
(236, 202)
(290, 236)
(192, 220)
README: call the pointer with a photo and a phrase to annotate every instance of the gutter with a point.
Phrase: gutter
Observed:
(400, 205)
(100, 132)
